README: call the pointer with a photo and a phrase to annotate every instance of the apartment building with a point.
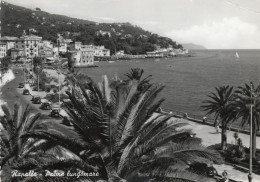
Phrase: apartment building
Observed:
(30, 45)
(2, 49)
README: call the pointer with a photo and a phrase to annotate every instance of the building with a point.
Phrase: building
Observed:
(101, 51)
(103, 33)
(75, 46)
(10, 41)
(120, 53)
(45, 52)
(62, 44)
(83, 57)
(45, 43)
(15, 53)
(2, 49)
(29, 44)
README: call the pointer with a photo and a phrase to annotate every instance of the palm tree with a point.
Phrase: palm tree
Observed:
(121, 135)
(243, 99)
(14, 126)
(219, 104)
(13, 147)
(16, 150)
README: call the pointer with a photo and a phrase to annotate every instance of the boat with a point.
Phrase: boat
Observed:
(237, 56)
(111, 61)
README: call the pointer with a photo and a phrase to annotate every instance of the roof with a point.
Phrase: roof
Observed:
(31, 37)
(6, 38)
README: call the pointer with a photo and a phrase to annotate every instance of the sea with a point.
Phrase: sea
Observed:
(189, 80)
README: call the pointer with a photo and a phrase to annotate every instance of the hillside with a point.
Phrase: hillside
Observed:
(124, 36)
(193, 46)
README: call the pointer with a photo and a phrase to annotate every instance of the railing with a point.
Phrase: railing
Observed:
(208, 121)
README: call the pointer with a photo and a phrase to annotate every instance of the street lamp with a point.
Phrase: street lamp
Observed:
(59, 86)
(250, 175)
(38, 79)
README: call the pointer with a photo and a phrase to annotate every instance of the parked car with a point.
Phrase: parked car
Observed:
(26, 92)
(21, 85)
(55, 112)
(37, 100)
(45, 106)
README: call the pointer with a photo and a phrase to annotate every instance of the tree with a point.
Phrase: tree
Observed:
(242, 100)
(37, 62)
(119, 133)
(5, 63)
(14, 126)
(219, 104)
(16, 150)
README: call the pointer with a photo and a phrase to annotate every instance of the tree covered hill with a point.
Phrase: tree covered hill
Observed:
(124, 36)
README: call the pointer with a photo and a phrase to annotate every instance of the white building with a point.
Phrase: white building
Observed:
(46, 43)
(10, 41)
(62, 43)
(101, 51)
(83, 57)
(2, 49)
(103, 33)
(120, 53)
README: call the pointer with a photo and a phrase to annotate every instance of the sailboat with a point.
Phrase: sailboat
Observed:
(237, 56)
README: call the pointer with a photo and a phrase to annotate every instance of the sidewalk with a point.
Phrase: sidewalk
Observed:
(210, 137)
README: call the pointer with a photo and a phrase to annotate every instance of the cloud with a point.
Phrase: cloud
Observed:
(226, 34)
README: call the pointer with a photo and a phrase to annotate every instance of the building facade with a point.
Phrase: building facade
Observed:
(15, 53)
(30, 45)
(101, 51)
(83, 57)
(62, 44)
(75, 46)
(10, 41)
(2, 49)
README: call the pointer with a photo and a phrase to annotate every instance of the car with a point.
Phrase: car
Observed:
(21, 85)
(45, 106)
(37, 100)
(55, 112)
(26, 92)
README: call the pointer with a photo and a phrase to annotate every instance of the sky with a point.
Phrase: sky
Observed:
(214, 24)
